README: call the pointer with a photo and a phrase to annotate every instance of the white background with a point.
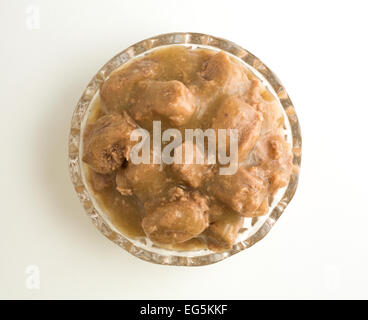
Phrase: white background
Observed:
(318, 248)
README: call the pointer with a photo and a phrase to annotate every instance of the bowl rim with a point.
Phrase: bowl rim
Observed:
(137, 49)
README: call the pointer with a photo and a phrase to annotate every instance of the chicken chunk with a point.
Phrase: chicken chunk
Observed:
(272, 115)
(273, 153)
(243, 192)
(263, 208)
(177, 221)
(170, 100)
(107, 142)
(192, 173)
(118, 91)
(222, 233)
(146, 181)
(216, 211)
(182, 63)
(227, 74)
(236, 114)
(263, 101)
(101, 181)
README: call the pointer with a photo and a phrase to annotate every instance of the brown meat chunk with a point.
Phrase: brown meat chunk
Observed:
(236, 114)
(174, 193)
(146, 181)
(107, 142)
(273, 153)
(230, 77)
(243, 191)
(264, 102)
(180, 220)
(262, 209)
(168, 99)
(118, 91)
(192, 174)
(222, 233)
(101, 181)
(216, 211)
(272, 115)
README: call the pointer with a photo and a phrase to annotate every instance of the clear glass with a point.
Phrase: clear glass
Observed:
(254, 229)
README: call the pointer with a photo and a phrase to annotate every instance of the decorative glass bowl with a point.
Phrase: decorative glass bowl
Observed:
(254, 229)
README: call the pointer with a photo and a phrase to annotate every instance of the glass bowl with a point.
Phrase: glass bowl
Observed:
(254, 229)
